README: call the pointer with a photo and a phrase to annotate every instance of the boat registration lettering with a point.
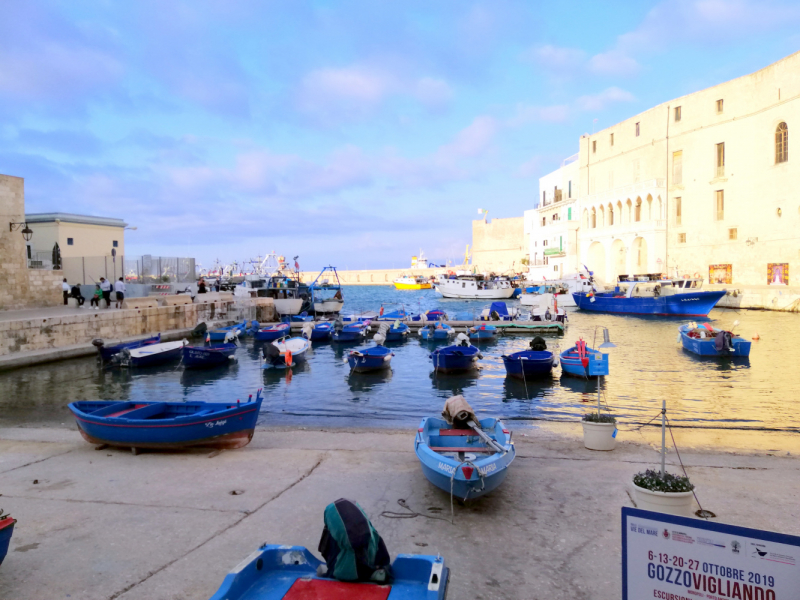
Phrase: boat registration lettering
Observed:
(216, 423)
(449, 469)
(487, 469)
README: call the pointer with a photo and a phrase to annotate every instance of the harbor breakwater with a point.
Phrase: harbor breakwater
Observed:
(375, 276)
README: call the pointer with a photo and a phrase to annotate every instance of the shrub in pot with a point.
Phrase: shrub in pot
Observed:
(664, 492)
(6, 530)
(599, 431)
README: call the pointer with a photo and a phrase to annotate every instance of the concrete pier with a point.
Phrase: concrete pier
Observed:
(107, 525)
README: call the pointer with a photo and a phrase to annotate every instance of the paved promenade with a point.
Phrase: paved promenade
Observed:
(107, 525)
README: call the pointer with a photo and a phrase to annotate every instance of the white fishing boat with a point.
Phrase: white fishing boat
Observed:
(562, 289)
(269, 280)
(471, 287)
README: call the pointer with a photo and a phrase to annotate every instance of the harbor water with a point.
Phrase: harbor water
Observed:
(647, 366)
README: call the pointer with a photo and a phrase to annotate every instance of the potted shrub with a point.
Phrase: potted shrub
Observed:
(6, 529)
(599, 431)
(660, 491)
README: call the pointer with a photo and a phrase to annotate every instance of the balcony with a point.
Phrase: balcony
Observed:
(550, 252)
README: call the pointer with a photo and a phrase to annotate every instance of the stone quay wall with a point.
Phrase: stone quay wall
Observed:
(375, 276)
(111, 324)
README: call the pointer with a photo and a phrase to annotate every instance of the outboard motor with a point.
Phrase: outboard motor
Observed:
(431, 331)
(538, 344)
(271, 352)
(200, 330)
(462, 339)
(379, 338)
(547, 315)
(338, 325)
(494, 315)
(308, 328)
(98, 343)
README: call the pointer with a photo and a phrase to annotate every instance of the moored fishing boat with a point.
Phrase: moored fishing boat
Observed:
(474, 287)
(350, 332)
(582, 361)
(273, 332)
(482, 332)
(466, 461)
(167, 425)
(435, 314)
(460, 357)
(499, 311)
(396, 332)
(204, 357)
(276, 571)
(409, 282)
(220, 333)
(285, 352)
(376, 358)
(326, 295)
(705, 340)
(318, 332)
(152, 354)
(530, 364)
(436, 331)
(108, 352)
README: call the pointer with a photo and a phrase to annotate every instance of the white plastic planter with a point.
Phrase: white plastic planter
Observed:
(673, 503)
(599, 436)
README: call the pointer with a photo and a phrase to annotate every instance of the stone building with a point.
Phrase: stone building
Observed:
(704, 184)
(499, 245)
(77, 235)
(21, 287)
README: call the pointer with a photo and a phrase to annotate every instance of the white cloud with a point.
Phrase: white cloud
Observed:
(613, 62)
(601, 100)
(557, 58)
(357, 86)
(433, 93)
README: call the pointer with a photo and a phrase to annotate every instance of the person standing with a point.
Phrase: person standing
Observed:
(65, 290)
(106, 287)
(119, 287)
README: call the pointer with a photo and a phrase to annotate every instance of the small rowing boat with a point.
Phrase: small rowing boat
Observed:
(108, 352)
(705, 340)
(152, 354)
(482, 332)
(285, 352)
(167, 425)
(219, 334)
(352, 332)
(582, 361)
(376, 358)
(460, 357)
(206, 357)
(276, 572)
(318, 332)
(437, 331)
(273, 332)
(529, 364)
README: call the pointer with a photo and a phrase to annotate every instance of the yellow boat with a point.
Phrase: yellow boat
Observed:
(412, 283)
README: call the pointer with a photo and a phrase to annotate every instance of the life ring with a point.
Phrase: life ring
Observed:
(696, 275)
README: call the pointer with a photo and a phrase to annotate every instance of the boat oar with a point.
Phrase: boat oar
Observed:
(489, 441)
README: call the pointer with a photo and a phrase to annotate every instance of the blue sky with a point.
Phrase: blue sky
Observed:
(352, 132)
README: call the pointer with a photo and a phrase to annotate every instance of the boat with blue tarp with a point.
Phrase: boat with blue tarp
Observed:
(705, 340)
(499, 311)
(350, 332)
(206, 357)
(303, 317)
(108, 352)
(651, 295)
(276, 572)
(436, 331)
(167, 425)
(272, 332)
(462, 356)
(462, 455)
(582, 361)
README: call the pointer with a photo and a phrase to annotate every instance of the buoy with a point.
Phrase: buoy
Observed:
(756, 337)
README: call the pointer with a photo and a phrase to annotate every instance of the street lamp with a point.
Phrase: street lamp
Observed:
(27, 232)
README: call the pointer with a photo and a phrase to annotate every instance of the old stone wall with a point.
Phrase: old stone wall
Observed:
(19, 286)
(41, 334)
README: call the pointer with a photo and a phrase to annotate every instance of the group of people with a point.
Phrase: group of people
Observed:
(101, 290)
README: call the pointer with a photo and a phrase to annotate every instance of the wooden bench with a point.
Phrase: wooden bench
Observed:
(146, 302)
(175, 300)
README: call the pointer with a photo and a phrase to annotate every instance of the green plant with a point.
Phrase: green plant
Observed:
(593, 417)
(653, 480)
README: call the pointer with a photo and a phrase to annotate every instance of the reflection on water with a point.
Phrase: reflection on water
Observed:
(647, 365)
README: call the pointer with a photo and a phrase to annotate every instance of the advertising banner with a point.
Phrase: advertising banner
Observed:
(677, 558)
(778, 274)
(720, 274)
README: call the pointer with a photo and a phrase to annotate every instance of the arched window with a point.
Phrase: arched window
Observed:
(782, 143)
(610, 214)
(638, 212)
(594, 219)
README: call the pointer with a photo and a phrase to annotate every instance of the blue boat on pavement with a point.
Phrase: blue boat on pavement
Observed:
(152, 354)
(218, 335)
(272, 332)
(436, 331)
(273, 572)
(529, 364)
(663, 297)
(483, 332)
(206, 357)
(108, 352)
(451, 359)
(167, 425)
(461, 459)
(354, 331)
(582, 361)
(376, 358)
(710, 341)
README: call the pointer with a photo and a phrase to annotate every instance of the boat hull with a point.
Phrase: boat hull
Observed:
(271, 334)
(492, 294)
(483, 334)
(288, 306)
(226, 429)
(366, 362)
(694, 304)
(218, 335)
(207, 357)
(529, 364)
(412, 286)
(571, 363)
(321, 333)
(454, 359)
(108, 352)
(328, 306)
(707, 347)
(153, 354)
(273, 572)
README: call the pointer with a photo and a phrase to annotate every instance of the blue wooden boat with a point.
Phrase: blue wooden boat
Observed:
(303, 317)
(582, 361)
(437, 331)
(679, 297)
(529, 364)
(482, 332)
(6, 531)
(460, 458)
(167, 425)
(376, 358)
(108, 352)
(709, 341)
(451, 359)
(432, 315)
(273, 332)
(397, 332)
(206, 357)
(152, 354)
(218, 335)
(394, 315)
(352, 332)
(285, 352)
(273, 572)
(322, 331)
